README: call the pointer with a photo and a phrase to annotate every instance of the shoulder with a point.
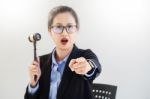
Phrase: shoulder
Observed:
(45, 56)
(86, 53)
(45, 59)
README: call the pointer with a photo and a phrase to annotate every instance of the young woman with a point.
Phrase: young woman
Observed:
(67, 72)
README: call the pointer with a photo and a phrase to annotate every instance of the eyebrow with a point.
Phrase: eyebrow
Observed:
(63, 25)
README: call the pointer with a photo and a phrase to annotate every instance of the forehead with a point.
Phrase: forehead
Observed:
(64, 18)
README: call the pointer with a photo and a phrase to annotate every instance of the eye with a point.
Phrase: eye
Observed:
(70, 26)
(57, 28)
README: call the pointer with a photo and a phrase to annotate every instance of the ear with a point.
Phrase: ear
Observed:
(49, 30)
(77, 30)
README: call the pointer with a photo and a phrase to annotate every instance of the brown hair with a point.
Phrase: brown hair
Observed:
(61, 9)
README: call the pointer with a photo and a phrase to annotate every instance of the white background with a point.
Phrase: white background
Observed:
(118, 31)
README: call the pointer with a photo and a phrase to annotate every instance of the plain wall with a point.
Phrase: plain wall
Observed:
(118, 31)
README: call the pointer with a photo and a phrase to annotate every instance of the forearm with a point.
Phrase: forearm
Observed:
(31, 93)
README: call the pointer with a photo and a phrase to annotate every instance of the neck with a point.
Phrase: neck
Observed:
(61, 54)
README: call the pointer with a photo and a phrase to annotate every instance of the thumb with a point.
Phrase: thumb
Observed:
(38, 60)
(73, 61)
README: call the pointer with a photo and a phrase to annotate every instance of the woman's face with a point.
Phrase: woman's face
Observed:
(63, 31)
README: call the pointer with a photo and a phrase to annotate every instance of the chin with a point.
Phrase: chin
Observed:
(65, 47)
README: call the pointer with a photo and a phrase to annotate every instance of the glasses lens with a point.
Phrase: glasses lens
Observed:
(71, 28)
(57, 29)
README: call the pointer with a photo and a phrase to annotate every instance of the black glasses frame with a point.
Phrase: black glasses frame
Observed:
(63, 27)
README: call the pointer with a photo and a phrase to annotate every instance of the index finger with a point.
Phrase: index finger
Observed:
(73, 61)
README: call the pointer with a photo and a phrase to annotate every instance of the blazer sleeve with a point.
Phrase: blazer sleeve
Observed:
(36, 94)
(88, 54)
(30, 96)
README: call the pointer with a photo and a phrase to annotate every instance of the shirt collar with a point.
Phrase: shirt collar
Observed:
(54, 59)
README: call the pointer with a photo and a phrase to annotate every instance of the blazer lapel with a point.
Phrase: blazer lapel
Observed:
(67, 74)
(46, 75)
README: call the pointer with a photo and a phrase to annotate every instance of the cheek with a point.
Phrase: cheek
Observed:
(73, 37)
(54, 37)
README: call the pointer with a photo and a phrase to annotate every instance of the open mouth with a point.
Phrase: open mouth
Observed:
(64, 41)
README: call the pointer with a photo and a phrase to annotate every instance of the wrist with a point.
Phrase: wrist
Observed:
(33, 85)
(90, 64)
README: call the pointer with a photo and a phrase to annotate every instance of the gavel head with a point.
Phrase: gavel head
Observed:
(34, 37)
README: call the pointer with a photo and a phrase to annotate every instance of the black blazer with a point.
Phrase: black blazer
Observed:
(72, 85)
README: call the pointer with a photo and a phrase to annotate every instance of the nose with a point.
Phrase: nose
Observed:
(64, 32)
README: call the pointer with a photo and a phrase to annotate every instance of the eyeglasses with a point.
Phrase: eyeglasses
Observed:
(60, 28)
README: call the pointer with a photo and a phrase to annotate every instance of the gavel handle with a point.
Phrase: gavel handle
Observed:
(35, 58)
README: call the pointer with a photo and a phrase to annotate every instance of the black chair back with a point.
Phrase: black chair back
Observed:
(104, 91)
